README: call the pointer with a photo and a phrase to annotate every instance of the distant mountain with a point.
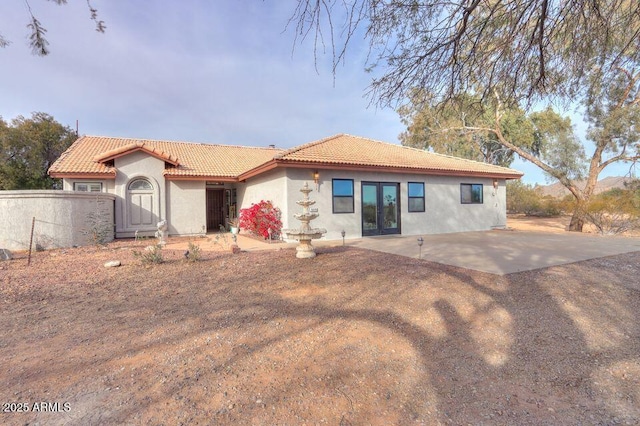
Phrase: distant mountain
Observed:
(557, 190)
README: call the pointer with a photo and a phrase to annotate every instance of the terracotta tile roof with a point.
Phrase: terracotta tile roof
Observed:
(90, 155)
(347, 150)
(137, 146)
(193, 159)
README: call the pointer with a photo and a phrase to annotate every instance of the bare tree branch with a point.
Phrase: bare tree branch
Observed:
(528, 49)
(37, 39)
(100, 26)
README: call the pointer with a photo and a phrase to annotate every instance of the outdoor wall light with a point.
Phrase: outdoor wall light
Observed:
(495, 183)
(316, 178)
(420, 242)
(343, 234)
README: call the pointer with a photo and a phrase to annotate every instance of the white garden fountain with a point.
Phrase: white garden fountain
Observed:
(305, 233)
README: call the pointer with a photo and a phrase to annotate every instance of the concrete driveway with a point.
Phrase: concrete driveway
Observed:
(503, 252)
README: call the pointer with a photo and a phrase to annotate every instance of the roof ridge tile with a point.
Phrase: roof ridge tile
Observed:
(143, 141)
(298, 148)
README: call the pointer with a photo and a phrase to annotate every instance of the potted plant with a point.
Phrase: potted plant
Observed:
(233, 226)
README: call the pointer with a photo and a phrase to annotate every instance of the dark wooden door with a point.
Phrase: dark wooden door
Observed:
(215, 209)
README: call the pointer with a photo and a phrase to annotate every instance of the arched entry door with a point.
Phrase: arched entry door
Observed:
(141, 204)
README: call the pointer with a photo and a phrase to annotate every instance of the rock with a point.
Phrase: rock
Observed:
(5, 254)
(234, 249)
(112, 264)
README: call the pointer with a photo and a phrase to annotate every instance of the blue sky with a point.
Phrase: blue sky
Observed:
(201, 71)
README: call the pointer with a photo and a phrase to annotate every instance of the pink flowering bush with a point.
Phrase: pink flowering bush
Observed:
(261, 217)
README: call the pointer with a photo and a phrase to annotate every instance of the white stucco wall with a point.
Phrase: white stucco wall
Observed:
(187, 204)
(444, 213)
(270, 186)
(183, 203)
(139, 165)
(61, 217)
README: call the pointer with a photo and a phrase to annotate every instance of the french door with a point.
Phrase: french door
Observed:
(380, 208)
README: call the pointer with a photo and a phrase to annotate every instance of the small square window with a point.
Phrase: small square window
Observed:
(342, 195)
(415, 192)
(471, 193)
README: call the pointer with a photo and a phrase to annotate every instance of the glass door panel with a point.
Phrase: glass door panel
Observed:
(390, 202)
(380, 208)
(369, 209)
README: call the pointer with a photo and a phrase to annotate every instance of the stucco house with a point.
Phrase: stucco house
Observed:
(362, 186)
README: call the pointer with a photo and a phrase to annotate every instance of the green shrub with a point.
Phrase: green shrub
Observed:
(523, 198)
(150, 255)
(193, 254)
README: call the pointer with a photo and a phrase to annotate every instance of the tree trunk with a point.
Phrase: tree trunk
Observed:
(577, 221)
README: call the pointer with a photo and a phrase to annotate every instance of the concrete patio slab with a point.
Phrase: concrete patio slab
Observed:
(497, 252)
(503, 252)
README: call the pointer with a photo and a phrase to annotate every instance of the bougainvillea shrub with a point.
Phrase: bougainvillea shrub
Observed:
(261, 217)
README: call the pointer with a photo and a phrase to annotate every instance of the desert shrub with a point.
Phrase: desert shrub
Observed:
(222, 238)
(613, 212)
(98, 228)
(260, 218)
(523, 198)
(150, 255)
(549, 207)
(194, 253)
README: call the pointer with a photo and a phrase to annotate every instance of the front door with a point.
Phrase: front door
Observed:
(142, 207)
(215, 209)
(380, 208)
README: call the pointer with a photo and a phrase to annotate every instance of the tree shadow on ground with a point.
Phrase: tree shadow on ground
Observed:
(355, 341)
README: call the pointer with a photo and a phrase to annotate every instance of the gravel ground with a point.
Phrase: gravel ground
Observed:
(350, 337)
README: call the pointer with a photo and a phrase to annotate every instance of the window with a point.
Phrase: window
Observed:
(138, 184)
(87, 186)
(416, 196)
(342, 195)
(471, 193)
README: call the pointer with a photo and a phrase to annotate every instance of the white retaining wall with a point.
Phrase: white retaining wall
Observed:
(62, 218)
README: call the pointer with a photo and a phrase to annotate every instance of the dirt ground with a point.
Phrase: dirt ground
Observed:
(351, 337)
(556, 224)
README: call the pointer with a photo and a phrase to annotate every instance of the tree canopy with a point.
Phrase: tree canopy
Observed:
(526, 49)
(445, 130)
(29, 146)
(612, 109)
(466, 72)
(37, 36)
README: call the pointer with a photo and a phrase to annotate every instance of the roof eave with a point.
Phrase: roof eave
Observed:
(201, 178)
(82, 175)
(379, 168)
(262, 168)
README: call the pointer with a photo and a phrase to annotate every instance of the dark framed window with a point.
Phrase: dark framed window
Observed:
(416, 196)
(471, 193)
(87, 186)
(342, 195)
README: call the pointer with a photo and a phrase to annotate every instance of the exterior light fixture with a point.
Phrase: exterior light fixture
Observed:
(343, 233)
(316, 179)
(420, 242)
(495, 183)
